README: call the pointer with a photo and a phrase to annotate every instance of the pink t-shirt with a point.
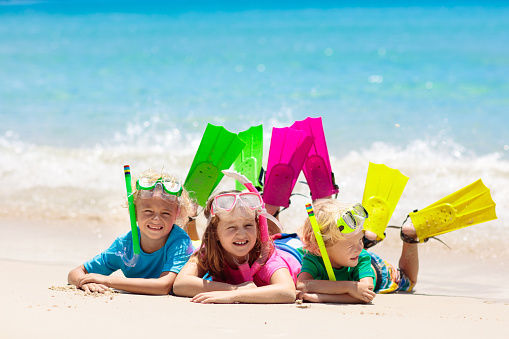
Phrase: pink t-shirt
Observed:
(278, 259)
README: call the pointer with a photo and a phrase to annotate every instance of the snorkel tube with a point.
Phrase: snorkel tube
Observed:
(132, 216)
(246, 271)
(319, 241)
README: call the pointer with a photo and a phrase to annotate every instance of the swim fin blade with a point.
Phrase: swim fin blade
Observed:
(288, 151)
(217, 151)
(384, 186)
(317, 168)
(466, 207)
(249, 161)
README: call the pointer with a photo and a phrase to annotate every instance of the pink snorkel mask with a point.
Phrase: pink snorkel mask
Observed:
(245, 204)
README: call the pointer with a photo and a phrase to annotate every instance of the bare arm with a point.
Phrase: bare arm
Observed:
(91, 282)
(361, 290)
(79, 272)
(280, 290)
(329, 298)
(189, 282)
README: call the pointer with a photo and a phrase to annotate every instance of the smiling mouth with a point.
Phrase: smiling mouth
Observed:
(240, 242)
(157, 228)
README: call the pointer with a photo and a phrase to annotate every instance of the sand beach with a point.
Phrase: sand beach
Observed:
(458, 295)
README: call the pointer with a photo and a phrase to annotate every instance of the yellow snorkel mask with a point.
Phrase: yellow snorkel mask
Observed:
(350, 222)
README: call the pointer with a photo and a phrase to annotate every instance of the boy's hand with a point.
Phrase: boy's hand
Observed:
(311, 297)
(94, 288)
(362, 291)
(89, 278)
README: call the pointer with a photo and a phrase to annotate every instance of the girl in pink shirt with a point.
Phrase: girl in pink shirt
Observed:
(238, 255)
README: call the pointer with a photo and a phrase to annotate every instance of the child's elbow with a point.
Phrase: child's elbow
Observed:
(286, 296)
(165, 290)
(291, 296)
(179, 287)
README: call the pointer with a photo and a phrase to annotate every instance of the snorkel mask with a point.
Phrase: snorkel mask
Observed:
(170, 190)
(350, 223)
(244, 204)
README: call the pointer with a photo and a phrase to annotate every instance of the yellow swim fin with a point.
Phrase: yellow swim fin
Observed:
(466, 207)
(384, 186)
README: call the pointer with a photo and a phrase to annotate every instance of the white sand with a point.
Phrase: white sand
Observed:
(458, 295)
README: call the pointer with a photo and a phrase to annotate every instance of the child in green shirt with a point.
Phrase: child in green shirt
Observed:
(359, 274)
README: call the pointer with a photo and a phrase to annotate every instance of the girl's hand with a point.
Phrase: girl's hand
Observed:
(94, 288)
(363, 291)
(215, 297)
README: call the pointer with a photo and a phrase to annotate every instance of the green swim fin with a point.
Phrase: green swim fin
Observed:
(466, 207)
(217, 151)
(249, 162)
(382, 191)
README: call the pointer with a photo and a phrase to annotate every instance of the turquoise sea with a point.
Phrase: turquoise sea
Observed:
(88, 86)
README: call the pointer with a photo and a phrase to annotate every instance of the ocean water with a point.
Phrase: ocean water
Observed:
(88, 86)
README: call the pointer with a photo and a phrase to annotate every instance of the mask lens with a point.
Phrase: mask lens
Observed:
(251, 200)
(359, 210)
(350, 220)
(144, 194)
(225, 201)
(172, 187)
(146, 183)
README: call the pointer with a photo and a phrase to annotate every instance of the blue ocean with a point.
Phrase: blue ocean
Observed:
(88, 86)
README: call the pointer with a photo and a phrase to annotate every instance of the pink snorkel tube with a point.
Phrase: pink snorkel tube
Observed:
(247, 271)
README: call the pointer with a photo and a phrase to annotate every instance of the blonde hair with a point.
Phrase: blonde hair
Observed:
(185, 202)
(327, 212)
(211, 256)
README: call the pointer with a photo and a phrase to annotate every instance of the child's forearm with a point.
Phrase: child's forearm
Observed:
(158, 286)
(331, 298)
(189, 286)
(270, 294)
(326, 286)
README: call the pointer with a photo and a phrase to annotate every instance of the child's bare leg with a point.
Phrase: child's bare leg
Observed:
(190, 226)
(370, 235)
(409, 260)
(191, 230)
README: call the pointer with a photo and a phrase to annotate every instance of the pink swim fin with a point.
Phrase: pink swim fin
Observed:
(288, 151)
(317, 168)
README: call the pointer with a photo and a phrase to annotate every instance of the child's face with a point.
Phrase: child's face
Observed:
(155, 220)
(237, 234)
(345, 253)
